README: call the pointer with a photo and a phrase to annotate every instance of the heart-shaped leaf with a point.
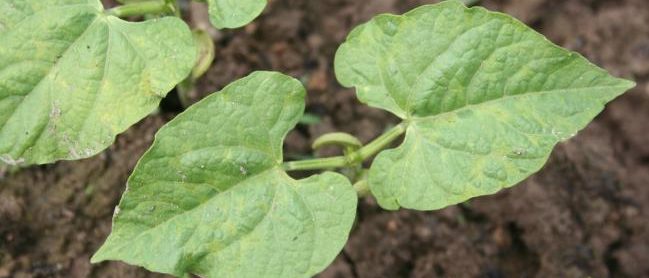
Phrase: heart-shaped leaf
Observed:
(72, 77)
(234, 13)
(484, 98)
(210, 196)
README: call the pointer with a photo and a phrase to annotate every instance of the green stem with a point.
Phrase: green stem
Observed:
(141, 8)
(318, 163)
(382, 141)
(352, 158)
(347, 141)
(362, 188)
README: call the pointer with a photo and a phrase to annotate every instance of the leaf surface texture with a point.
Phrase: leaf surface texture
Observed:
(210, 196)
(485, 98)
(72, 77)
(234, 13)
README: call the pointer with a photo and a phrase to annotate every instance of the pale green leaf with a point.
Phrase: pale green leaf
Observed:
(234, 13)
(210, 196)
(485, 99)
(71, 77)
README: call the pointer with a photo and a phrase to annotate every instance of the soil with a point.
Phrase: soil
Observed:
(586, 214)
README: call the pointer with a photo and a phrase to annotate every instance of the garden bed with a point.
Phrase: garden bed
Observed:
(585, 214)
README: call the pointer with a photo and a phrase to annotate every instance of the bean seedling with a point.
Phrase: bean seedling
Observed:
(483, 100)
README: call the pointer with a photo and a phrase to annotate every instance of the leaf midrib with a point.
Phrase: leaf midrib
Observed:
(134, 238)
(414, 118)
(242, 235)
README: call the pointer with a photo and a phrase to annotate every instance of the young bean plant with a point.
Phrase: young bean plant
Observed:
(73, 75)
(482, 98)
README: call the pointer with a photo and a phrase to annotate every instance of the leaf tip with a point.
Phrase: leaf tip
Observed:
(627, 84)
(621, 86)
(98, 257)
(103, 253)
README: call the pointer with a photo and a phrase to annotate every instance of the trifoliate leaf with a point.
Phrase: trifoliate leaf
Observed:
(72, 77)
(210, 196)
(485, 99)
(234, 13)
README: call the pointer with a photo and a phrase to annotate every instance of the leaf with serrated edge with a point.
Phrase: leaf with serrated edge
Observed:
(485, 99)
(210, 196)
(72, 77)
(234, 13)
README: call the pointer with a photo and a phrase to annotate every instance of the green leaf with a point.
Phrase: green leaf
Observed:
(210, 196)
(485, 99)
(234, 13)
(71, 77)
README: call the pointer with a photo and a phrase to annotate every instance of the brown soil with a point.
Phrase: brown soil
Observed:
(585, 214)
